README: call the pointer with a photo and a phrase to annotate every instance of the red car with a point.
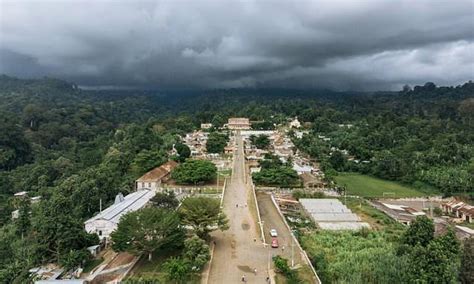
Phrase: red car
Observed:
(274, 243)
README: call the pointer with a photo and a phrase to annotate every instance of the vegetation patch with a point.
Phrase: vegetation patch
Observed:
(367, 186)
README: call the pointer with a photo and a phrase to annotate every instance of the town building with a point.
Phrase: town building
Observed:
(206, 125)
(154, 178)
(104, 223)
(459, 209)
(238, 123)
(295, 123)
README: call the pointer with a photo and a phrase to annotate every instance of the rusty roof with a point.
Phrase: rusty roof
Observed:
(159, 172)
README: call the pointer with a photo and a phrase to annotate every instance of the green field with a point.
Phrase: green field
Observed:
(367, 186)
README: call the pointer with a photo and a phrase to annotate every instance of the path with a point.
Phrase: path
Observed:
(236, 253)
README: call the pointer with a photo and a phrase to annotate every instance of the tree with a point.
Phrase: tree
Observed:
(337, 160)
(420, 232)
(260, 141)
(23, 223)
(147, 230)
(177, 270)
(183, 151)
(166, 200)
(194, 172)
(467, 262)
(74, 258)
(203, 215)
(216, 142)
(196, 252)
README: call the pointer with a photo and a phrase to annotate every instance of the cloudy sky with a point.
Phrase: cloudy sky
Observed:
(339, 44)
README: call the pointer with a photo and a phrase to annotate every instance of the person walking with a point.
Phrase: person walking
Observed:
(243, 278)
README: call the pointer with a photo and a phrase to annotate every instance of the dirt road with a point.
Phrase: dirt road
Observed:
(236, 252)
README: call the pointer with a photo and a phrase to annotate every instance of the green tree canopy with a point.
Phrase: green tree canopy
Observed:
(166, 199)
(216, 142)
(194, 172)
(203, 215)
(196, 252)
(147, 230)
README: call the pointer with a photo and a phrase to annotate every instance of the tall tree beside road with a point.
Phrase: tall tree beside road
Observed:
(147, 230)
(196, 252)
(204, 215)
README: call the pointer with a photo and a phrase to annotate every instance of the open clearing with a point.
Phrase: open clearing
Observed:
(367, 186)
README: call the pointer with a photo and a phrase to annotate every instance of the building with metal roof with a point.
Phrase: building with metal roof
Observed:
(104, 223)
(331, 214)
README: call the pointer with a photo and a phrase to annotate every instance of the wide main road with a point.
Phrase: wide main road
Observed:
(236, 252)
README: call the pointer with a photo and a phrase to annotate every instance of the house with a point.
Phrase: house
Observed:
(21, 194)
(228, 149)
(153, 179)
(459, 209)
(206, 125)
(238, 123)
(94, 250)
(104, 223)
(295, 123)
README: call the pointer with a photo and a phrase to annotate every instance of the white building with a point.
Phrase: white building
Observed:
(238, 123)
(104, 223)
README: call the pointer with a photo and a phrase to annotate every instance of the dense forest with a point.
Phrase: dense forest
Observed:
(75, 147)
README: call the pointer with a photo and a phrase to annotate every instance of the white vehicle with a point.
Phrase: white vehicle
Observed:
(273, 233)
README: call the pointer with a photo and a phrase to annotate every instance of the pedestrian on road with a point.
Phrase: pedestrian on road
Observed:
(254, 240)
(283, 249)
(236, 205)
(243, 278)
(255, 271)
(267, 279)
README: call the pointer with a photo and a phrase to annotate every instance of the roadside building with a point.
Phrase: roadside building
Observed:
(104, 223)
(154, 178)
(238, 123)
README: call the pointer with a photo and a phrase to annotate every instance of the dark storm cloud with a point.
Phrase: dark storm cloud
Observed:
(305, 43)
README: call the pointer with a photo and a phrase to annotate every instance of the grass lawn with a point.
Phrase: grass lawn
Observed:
(367, 186)
(154, 269)
(376, 218)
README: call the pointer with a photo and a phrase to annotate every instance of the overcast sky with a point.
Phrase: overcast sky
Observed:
(359, 44)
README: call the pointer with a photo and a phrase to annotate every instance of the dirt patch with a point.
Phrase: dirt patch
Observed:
(245, 226)
(245, 268)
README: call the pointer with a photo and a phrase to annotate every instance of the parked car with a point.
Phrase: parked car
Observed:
(274, 243)
(273, 233)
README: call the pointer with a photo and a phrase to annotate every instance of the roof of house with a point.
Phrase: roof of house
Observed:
(131, 202)
(159, 172)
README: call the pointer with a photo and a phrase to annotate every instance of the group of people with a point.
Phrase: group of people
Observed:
(244, 279)
(237, 205)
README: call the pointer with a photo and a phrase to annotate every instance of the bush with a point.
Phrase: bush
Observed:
(281, 266)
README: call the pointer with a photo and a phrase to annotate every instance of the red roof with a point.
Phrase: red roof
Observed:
(158, 173)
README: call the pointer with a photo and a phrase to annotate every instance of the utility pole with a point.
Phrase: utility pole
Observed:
(292, 248)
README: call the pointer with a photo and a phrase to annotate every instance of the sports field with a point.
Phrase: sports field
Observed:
(368, 186)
